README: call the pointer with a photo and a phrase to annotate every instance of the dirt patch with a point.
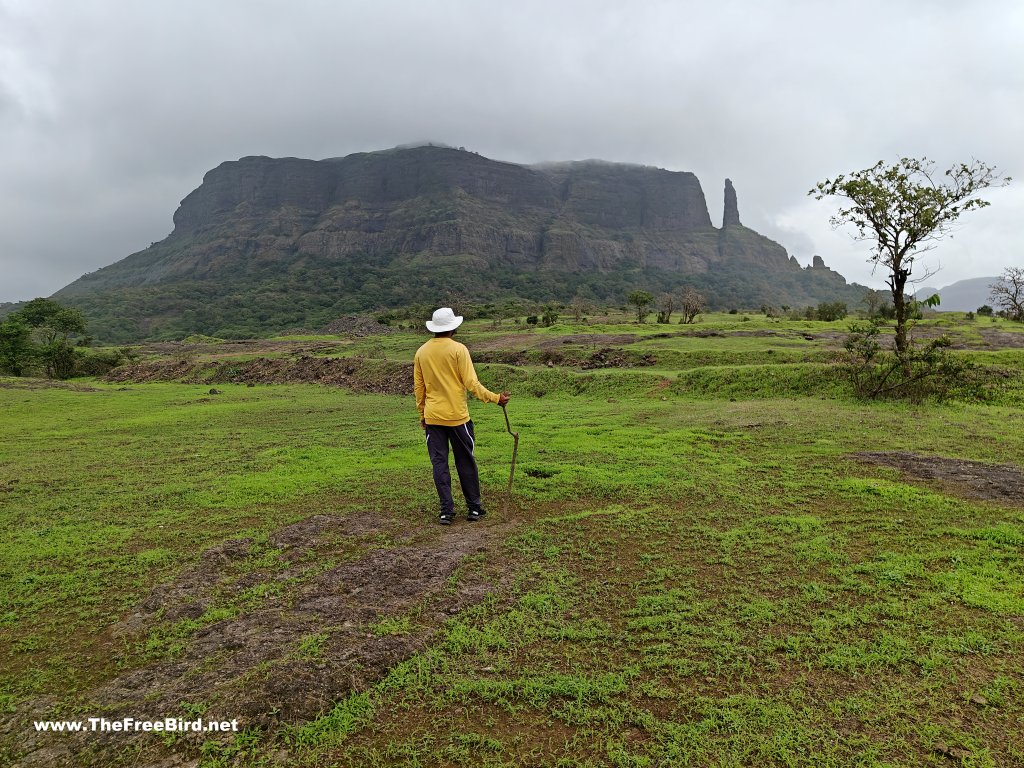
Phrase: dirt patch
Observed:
(1002, 339)
(525, 340)
(357, 374)
(617, 358)
(604, 339)
(973, 479)
(606, 357)
(232, 348)
(349, 325)
(313, 636)
(30, 383)
(354, 373)
(991, 338)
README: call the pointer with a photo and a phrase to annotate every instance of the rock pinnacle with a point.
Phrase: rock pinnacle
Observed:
(731, 214)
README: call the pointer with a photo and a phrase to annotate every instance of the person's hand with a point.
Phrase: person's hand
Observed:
(503, 398)
(423, 423)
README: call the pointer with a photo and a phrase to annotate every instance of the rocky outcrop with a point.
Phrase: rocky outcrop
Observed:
(731, 211)
(266, 244)
(431, 202)
(364, 185)
(737, 244)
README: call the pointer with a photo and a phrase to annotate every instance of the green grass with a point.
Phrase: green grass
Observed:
(700, 574)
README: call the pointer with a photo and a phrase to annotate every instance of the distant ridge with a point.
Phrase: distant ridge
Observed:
(963, 295)
(264, 244)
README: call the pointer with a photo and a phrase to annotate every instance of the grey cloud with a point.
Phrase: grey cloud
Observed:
(133, 102)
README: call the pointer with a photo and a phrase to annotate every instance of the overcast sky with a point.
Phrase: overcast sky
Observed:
(111, 112)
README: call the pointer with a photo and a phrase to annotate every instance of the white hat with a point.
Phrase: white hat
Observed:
(444, 320)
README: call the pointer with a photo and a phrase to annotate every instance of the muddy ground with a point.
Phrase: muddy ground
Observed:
(183, 350)
(354, 373)
(991, 338)
(253, 666)
(971, 479)
(357, 374)
(997, 339)
(27, 383)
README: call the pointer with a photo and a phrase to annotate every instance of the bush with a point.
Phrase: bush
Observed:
(925, 371)
(640, 300)
(831, 311)
(101, 362)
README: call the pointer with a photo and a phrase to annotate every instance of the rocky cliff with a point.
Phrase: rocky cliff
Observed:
(435, 202)
(431, 218)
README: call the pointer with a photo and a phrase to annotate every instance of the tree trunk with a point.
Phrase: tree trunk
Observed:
(899, 302)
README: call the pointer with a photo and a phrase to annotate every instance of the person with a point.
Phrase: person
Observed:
(442, 374)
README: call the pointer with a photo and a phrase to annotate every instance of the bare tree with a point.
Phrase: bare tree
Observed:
(1008, 293)
(691, 304)
(666, 305)
(871, 301)
(579, 308)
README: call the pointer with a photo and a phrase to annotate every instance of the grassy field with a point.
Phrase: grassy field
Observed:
(694, 568)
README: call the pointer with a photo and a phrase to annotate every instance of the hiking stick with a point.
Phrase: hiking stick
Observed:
(515, 450)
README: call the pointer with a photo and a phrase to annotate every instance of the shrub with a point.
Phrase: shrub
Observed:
(101, 362)
(831, 311)
(640, 300)
(924, 371)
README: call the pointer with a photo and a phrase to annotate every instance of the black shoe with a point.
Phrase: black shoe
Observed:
(475, 514)
(446, 518)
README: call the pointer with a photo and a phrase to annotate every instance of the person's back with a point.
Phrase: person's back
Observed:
(442, 374)
(447, 372)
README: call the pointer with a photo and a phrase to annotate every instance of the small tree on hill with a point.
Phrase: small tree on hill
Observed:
(579, 308)
(691, 304)
(666, 305)
(1008, 293)
(54, 326)
(640, 300)
(831, 311)
(16, 350)
(904, 209)
(872, 302)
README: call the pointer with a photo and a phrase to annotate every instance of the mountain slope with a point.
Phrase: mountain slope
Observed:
(963, 295)
(266, 243)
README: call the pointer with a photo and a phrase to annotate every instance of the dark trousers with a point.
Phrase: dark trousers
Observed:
(462, 442)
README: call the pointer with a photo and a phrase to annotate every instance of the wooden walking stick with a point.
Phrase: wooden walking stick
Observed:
(515, 450)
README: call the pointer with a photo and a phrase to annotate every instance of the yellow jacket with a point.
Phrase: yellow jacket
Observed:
(442, 373)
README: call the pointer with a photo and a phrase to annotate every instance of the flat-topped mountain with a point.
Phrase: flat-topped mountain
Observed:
(267, 243)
